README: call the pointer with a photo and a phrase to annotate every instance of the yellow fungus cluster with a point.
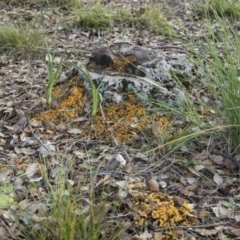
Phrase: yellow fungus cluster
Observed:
(159, 126)
(122, 64)
(161, 208)
(70, 101)
(120, 121)
(124, 122)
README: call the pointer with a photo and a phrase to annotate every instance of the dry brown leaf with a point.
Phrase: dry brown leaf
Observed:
(191, 180)
(137, 237)
(80, 119)
(146, 235)
(179, 232)
(100, 210)
(229, 164)
(221, 211)
(208, 232)
(61, 127)
(79, 178)
(218, 159)
(192, 238)
(25, 151)
(128, 168)
(203, 213)
(103, 180)
(233, 232)
(31, 169)
(157, 235)
(47, 149)
(80, 154)
(33, 192)
(3, 232)
(5, 174)
(122, 184)
(25, 136)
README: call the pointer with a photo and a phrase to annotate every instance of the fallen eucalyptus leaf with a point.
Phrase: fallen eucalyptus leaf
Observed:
(47, 149)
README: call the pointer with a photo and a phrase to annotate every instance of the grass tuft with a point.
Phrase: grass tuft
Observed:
(219, 68)
(97, 16)
(23, 3)
(230, 8)
(25, 43)
(71, 220)
(72, 213)
(155, 20)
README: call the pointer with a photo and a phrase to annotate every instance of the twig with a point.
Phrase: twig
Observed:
(31, 130)
(186, 227)
(119, 216)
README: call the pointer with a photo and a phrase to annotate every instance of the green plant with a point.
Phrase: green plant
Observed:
(97, 16)
(73, 213)
(229, 8)
(154, 18)
(64, 3)
(70, 220)
(95, 94)
(21, 42)
(231, 206)
(53, 74)
(185, 162)
(183, 139)
(220, 71)
(184, 107)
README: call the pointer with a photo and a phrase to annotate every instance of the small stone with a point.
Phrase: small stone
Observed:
(153, 185)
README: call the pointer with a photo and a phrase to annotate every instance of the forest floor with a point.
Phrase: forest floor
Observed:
(139, 168)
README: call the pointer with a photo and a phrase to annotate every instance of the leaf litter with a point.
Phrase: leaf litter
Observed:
(154, 192)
